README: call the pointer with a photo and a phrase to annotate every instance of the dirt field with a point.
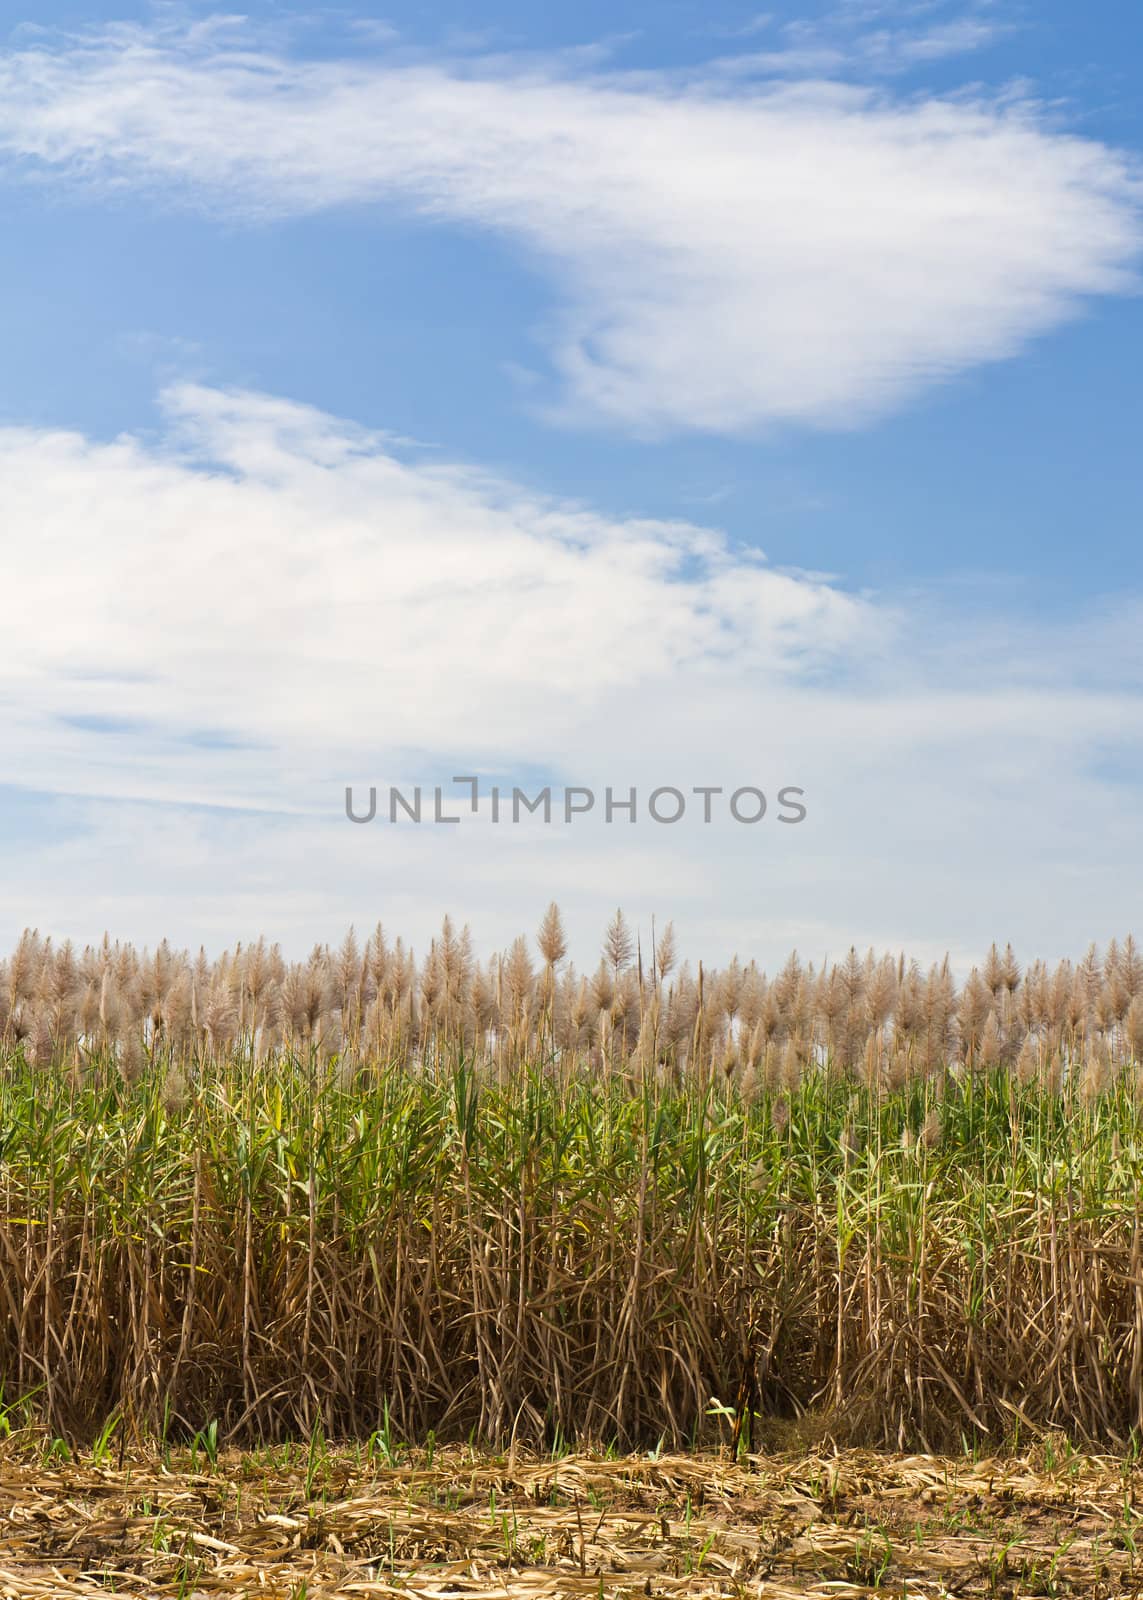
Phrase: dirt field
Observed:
(302, 1525)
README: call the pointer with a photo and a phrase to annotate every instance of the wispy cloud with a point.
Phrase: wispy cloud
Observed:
(726, 255)
(748, 28)
(882, 39)
(895, 50)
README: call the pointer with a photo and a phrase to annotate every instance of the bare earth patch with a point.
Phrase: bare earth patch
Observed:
(287, 1524)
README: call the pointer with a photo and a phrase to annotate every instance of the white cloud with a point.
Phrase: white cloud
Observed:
(271, 571)
(726, 256)
(208, 636)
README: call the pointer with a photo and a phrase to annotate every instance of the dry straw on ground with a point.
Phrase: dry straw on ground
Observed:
(506, 1201)
(308, 1526)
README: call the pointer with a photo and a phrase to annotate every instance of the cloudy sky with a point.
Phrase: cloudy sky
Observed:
(633, 395)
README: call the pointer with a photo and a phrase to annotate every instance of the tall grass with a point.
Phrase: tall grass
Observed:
(303, 1205)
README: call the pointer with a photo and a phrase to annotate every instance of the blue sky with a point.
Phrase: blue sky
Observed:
(382, 303)
(1012, 470)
